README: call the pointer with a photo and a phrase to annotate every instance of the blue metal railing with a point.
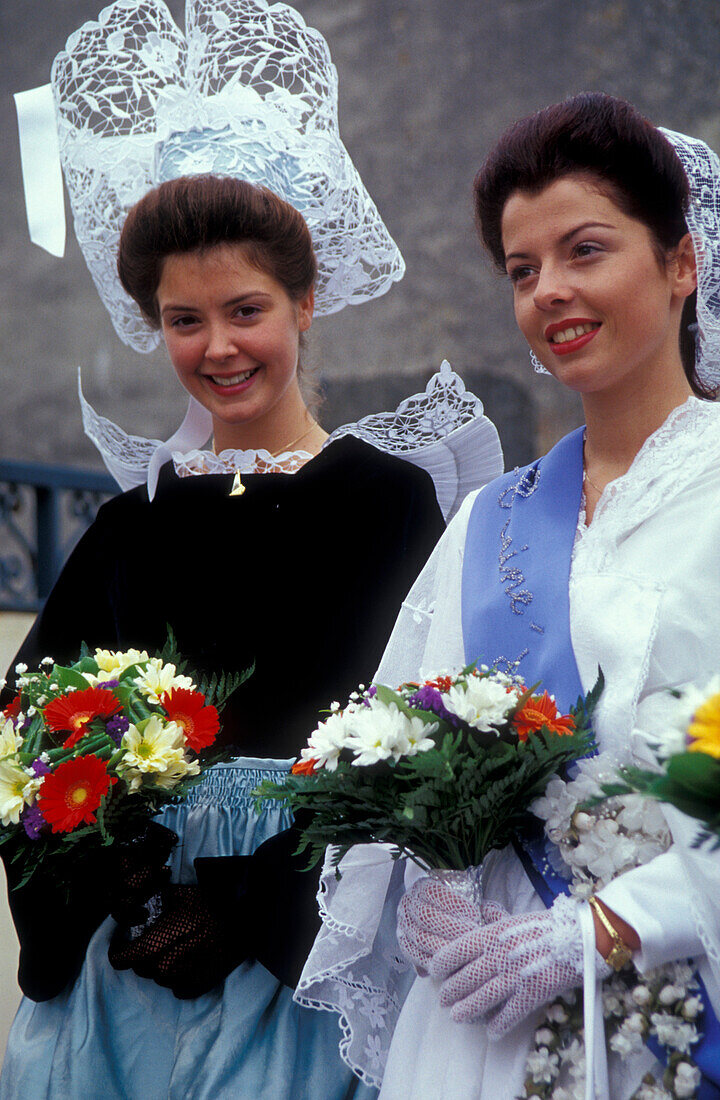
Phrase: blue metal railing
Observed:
(43, 512)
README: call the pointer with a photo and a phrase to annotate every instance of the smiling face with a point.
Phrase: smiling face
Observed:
(232, 333)
(595, 301)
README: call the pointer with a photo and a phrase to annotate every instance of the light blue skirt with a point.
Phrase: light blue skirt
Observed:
(115, 1036)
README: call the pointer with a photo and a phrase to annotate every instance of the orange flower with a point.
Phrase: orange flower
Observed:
(199, 723)
(539, 711)
(71, 794)
(304, 767)
(442, 683)
(74, 711)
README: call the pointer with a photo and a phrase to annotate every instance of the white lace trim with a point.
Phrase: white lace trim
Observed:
(683, 447)
(230, 461)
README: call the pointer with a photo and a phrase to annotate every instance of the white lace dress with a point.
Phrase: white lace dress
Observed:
(645, 605)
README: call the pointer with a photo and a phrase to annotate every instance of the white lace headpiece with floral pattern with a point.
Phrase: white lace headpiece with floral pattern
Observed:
(248, 90)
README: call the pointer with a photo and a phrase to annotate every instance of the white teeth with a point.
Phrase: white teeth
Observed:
(234, 380)
(572, 332)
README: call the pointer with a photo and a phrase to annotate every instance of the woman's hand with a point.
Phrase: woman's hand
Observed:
(431, 915)
(187, 949)
(512, 965)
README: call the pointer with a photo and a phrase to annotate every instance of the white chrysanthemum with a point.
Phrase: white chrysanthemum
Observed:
(379, 732)
(17, 790)
(179, 767)
(483, 703)
(327, 742)
(10, 741)
(157, 678)
(152, 745)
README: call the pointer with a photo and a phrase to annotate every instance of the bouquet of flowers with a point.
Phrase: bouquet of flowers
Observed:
(689, 750)
(445, 770)
(91, 752)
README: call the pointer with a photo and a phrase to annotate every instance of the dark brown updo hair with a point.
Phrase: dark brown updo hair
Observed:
(631, 161)
(194, 213)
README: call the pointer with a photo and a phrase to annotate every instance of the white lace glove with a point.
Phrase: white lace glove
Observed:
(511, 965)
(430, 916)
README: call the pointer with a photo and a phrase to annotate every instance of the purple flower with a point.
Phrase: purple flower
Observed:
(109, 684)
(39, 767)
(369, 694)
(33, 822)
(429, 698)
(116, 727)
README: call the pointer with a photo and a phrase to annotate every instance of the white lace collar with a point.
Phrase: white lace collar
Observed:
(684, 447)
(443, 430)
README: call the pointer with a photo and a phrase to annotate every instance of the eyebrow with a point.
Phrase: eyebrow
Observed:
(565, 237)
(171, 307)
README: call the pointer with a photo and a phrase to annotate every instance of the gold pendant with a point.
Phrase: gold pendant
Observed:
(237, 486)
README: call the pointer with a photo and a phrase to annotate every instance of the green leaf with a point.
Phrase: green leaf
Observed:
(698, 772)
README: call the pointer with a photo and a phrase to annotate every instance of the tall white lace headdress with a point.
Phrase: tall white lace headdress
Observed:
(248, 91)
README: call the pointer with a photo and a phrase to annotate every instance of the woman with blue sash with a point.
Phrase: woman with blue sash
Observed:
(601, 554)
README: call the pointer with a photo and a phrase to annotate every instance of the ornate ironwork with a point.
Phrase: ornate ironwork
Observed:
(43, 512)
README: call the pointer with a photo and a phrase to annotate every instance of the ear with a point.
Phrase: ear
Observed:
(305, 310)
(685, 267)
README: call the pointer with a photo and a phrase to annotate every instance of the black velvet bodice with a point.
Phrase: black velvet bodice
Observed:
(303, 575)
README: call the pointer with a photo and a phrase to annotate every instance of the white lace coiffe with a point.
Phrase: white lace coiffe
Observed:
(247, 91)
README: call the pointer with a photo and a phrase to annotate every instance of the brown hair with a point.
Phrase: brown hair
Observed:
(193, 213)
(607, 138)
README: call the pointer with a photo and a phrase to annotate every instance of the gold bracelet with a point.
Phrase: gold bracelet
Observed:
(620, 954)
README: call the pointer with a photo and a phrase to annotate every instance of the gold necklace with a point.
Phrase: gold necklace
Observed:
(587, 477)
(289, 446)
(238, 488)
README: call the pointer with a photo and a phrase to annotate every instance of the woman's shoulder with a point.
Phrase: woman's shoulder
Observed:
(361, 462)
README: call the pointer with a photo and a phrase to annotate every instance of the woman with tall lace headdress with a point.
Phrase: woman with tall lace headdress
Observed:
(209, 169)
(601, 553)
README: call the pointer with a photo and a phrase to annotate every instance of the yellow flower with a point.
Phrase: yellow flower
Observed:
(17, 790)
(157, 678)
(10, 741)
(704, 729)
(152, 745)
(116, 662)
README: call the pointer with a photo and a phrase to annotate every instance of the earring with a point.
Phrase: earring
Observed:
(537, 365)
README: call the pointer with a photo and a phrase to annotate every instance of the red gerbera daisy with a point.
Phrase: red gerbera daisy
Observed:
(74, 711)
(71, 794)
(200, 723)
(13, 708)
(539, 711)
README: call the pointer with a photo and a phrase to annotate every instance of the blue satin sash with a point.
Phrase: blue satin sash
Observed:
(516, 615)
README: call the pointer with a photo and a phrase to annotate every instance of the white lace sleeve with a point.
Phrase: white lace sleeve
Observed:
(355, 967)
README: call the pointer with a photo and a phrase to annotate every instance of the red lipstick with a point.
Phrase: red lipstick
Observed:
(578, 341)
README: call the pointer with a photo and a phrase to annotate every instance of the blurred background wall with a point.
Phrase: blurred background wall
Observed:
(425, 87)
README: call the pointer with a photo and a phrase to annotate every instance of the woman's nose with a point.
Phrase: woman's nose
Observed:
(221, 344)
(552, 287)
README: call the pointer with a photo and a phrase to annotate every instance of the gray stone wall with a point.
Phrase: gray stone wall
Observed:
(425, 87)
